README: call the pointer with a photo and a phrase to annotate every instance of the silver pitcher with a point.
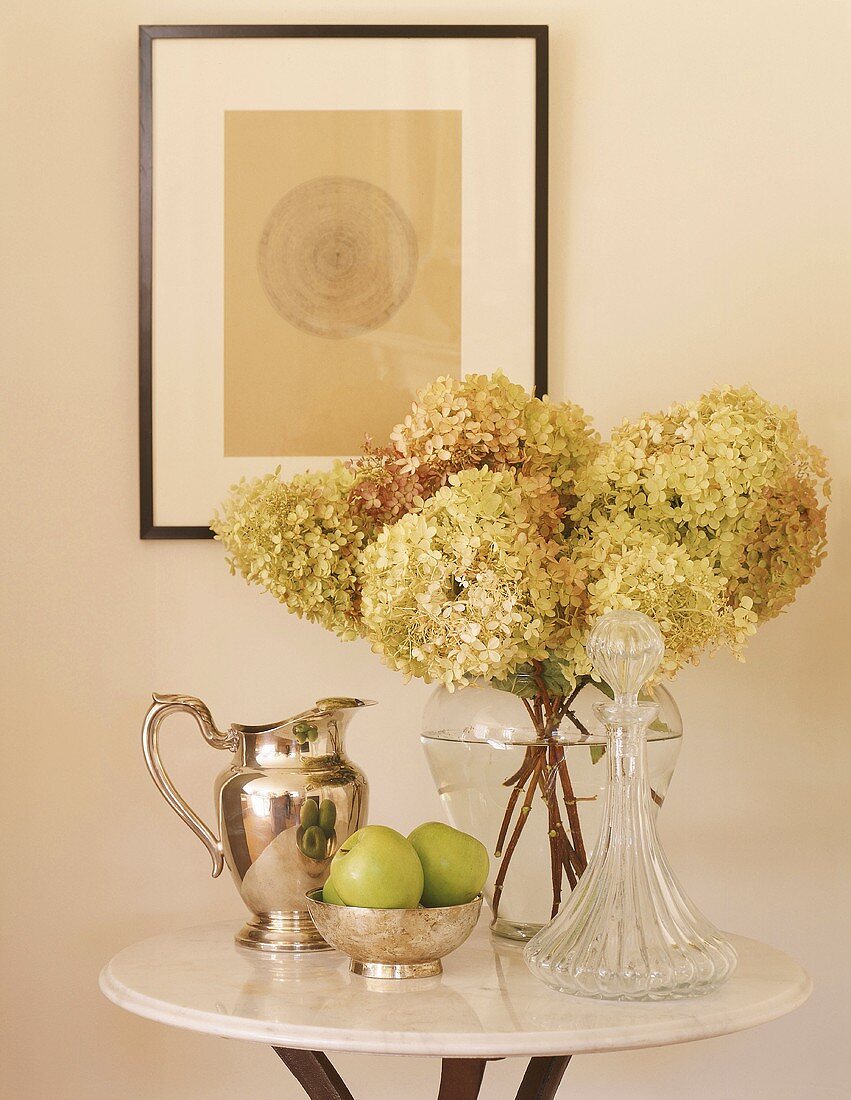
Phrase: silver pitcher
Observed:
(286, 802)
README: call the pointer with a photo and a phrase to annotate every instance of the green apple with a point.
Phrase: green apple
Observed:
(377, 868)
(327, 816)
(309, 814)
(314, 843)
(330, 895)
(455, 864)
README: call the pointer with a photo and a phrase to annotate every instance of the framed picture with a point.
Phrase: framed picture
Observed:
(330, 218)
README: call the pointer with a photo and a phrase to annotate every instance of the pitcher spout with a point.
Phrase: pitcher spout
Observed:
(327, 716)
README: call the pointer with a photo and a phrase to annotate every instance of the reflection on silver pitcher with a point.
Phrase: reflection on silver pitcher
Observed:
(285, 805)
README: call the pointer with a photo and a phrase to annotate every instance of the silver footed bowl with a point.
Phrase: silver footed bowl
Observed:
(394, 943)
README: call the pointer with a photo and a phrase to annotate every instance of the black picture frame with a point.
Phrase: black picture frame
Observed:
(147, 35)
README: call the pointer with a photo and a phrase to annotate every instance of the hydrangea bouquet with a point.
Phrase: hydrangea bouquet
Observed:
(486, 537)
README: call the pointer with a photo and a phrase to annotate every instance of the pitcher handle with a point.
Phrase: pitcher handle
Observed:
(162, 706)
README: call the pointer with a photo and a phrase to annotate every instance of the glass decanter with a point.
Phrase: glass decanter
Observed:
(628, 931)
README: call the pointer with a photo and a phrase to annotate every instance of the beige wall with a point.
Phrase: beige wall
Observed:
(700, 233)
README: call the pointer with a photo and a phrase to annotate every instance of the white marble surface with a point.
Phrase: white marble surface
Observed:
(486, 1003)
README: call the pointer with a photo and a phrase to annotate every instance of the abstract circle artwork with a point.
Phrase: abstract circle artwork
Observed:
(337, 257)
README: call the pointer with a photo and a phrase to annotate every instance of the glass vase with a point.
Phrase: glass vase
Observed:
(477, 741)
(629, 931)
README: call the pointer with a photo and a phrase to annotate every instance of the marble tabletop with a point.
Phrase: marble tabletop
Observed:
(486, 1003)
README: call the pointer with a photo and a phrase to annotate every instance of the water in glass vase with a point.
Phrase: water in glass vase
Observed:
(481, 747)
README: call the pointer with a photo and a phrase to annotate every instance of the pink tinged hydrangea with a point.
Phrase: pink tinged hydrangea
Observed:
(465, 423)
(385, 486)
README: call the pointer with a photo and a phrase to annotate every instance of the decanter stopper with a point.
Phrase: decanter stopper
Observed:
(626, 649)
(628, 930)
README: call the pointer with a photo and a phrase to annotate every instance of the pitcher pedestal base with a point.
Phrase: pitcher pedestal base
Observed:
(281, 933)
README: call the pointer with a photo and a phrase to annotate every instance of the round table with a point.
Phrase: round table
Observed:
(485, 1006)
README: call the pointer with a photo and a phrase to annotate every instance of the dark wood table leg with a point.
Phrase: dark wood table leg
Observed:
(542, 1078)
(314, 1072)
(461, 1078)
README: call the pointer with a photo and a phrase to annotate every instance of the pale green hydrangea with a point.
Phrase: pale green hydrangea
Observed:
(559, 443)
(468, 586)
(625, 566)
(732, 479)
(494, 528)
(297, 540)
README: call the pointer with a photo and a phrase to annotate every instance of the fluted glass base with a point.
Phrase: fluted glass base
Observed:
(628, 931)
